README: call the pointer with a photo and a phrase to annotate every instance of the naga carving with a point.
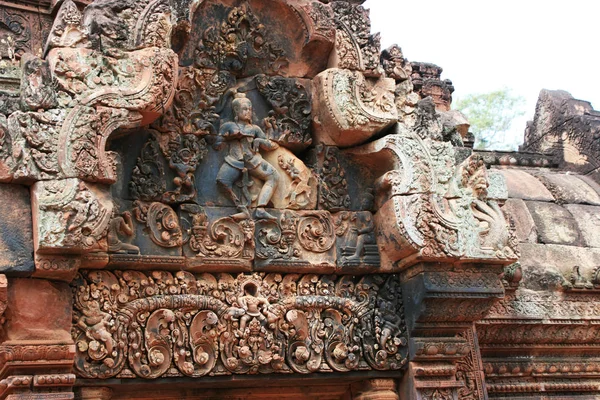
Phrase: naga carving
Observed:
(440, 210)
(132, 323)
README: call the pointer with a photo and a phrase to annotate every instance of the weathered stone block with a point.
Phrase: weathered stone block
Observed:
(588, 221)
(70, 216)
(526, 230)
(522, 185)
(38, 310)
(570, 189)
(567, 129)
(16, 237)
(550, 266)
(554, 223)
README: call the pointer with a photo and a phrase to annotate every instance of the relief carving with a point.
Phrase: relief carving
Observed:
(297, 239)
(15, 33)
(161, 221)
(72, 215)
(351, 109)
(355, 47)
(442, 209)
(357, 244)
(244, 160)
(333, 188)
(119, 228)
(216, 240)
(239, 39)
(223, 324)
(291, 104)
(222, 203)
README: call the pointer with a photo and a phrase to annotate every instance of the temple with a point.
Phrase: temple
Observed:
(250, 199)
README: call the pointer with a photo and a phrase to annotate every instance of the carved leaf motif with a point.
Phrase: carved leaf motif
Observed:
(158, 354)
(334, 193)
(147, 178)
(316, 233)
(15, 26)
(161, 221)
(292, 107)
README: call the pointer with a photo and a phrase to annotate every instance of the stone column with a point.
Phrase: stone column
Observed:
(36, 359)
(442, 304)
(375, 389)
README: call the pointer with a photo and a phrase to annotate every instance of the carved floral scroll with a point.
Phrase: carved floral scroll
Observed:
(156, 324)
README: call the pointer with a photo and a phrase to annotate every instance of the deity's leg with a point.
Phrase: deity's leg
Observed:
(226, 178)
(270, 177)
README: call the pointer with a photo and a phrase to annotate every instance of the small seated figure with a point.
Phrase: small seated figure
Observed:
(245, 141)
(121, 225)
(363, 229)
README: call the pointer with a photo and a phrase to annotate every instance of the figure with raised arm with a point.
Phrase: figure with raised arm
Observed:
(245, 141)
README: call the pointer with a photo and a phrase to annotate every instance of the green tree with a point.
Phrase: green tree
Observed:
(491, 115)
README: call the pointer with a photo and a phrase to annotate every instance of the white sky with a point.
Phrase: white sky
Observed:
(483, 45)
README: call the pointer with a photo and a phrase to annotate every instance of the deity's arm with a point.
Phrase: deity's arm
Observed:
(126, 225)
(261, 141)
(242, 302)
(263, 300)
(368, 226)
(225, 132)
(229, 130)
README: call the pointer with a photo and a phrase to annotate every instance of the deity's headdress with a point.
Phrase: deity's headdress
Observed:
(238, 99)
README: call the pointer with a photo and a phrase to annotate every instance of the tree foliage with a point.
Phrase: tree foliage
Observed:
(491, 115)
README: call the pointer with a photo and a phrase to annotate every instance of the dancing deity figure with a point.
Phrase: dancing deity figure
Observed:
(245, 142)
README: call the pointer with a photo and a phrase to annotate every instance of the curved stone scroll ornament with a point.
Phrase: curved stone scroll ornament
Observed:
(143, 324)
(161, 223)
(296, 239)
(431, 209)
(105, 78)
(108, 94)
(349, 109)
(221, 240)
(233, 36)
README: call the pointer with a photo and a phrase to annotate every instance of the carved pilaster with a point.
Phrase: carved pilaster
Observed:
(444, 302)
(47, 369)
(445, 362)
(36, 355)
